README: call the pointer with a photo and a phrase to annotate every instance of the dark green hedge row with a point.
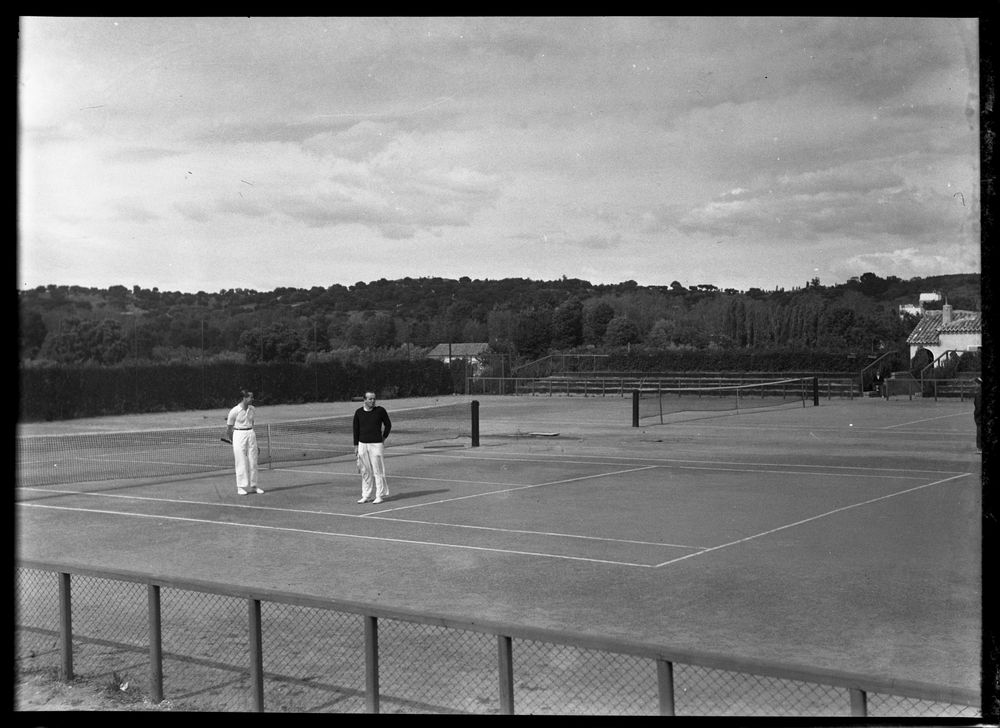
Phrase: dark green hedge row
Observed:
(67, 392)
(735, 360)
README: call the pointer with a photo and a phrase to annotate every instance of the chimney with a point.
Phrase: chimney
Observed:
(946, 313)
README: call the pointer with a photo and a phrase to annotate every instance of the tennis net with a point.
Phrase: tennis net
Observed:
(653, 403)
(103, 456)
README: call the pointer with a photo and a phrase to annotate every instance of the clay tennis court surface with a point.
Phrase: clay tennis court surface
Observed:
(844, 536)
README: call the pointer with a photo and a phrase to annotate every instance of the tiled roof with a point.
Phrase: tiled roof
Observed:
(458, 349)
(929, 329)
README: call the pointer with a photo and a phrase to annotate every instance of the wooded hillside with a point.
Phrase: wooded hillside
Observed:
(522, 319)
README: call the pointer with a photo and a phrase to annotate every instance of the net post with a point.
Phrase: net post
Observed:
(635, 408)
(475, 423)
(815, 388)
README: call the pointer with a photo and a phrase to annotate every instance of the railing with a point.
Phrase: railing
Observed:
(557, 361)
(947, 355)
(299, 652)
(622, 386)
(865, 376)
(960, 388)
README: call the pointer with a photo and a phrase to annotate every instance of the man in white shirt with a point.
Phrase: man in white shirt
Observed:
(239, 431)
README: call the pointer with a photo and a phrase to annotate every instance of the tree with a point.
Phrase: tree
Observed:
(118, 295)
(621, 331)
(872, 285)
(533, 332)
(379, 332)
(277, 342)
(662, 334)
(567, 324)
(33, 332)
(86, 342)
(595, 322)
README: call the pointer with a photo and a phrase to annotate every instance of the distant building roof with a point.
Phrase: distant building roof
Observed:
(930, 327)
(458, 349)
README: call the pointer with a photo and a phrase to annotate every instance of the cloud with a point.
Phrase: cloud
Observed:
(912, 262)
(134, 212)
(604, 139)
(859, 201)
(596, 242)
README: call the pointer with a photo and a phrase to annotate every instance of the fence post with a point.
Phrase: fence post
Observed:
(256, 657)
(665, 681)
(506, 671)
(635, 408)
(371, 664)
(65, 627)
(475, 423)
(859, 703)
(815, 384)
(155, 643)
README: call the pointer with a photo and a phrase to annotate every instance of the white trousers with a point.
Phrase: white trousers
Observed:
(245, 454)
(371, 460)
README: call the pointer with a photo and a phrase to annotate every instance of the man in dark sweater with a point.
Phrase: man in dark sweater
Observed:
(371, 427)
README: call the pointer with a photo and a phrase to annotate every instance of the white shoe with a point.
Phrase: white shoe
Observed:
(377, 501)
(364, 500)
(241, 491)
(259, 490)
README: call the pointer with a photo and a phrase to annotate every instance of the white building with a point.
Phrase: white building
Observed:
(472, 353)
(946, 330)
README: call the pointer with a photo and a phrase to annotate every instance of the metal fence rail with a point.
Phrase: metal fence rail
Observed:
(219, 647)
(623, 386)
(598, 385)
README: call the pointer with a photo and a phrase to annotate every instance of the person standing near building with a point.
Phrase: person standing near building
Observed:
(371, 428)
(977, 412)
(239, 431)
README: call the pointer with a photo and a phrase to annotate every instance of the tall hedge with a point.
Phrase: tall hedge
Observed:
(67, 392)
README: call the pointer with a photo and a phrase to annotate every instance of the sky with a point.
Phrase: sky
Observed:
(203, 154)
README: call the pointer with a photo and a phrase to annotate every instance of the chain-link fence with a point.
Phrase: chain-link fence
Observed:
(208, 648)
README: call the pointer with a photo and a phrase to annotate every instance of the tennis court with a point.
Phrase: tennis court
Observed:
(844, 536)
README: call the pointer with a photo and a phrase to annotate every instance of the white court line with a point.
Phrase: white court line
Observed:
(146, 462)
(220, 504)
(387, 475)
(509, 490)
(796, 472)
(811, 518)
(313, 512)
(520, 458)
(535, 533)
(931, 419)
(343, 535)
